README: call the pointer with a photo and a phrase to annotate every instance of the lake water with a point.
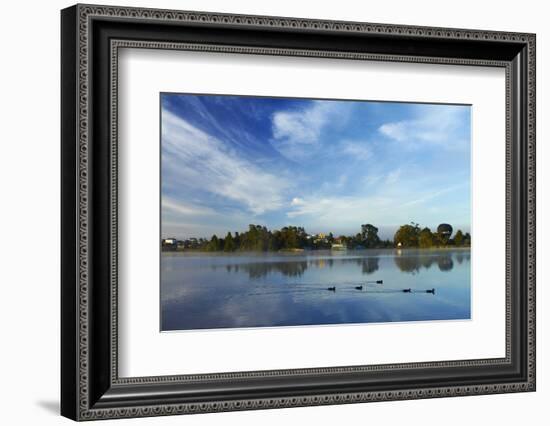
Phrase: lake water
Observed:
(206, 291)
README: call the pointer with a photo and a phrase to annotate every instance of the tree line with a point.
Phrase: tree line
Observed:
(260, 239)
(412, 235)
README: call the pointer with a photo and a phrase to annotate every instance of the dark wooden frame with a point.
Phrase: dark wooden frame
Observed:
(91, 37)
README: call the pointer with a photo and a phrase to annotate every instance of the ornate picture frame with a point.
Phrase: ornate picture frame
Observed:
(91, 37)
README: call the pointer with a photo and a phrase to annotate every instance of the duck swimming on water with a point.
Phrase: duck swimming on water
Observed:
(406, 290)
(331, 289)
(359, 287)
(431, 291)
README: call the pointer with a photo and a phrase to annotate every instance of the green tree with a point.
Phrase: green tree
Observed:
(369, 234)
(426, 238)
(229, 243)
(214, 244)
(459, 238)
(289, 237)
(407, 235)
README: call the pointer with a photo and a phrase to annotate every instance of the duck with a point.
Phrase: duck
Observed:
(359, 287)
(431, 291)
(331, 289)
(406, 290)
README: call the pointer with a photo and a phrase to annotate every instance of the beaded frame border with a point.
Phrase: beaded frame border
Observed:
(86, 13)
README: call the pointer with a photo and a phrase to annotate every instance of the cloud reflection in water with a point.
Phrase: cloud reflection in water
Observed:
(203, 291)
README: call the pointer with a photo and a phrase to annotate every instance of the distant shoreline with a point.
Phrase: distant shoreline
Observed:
(311, 251)
(295, 239)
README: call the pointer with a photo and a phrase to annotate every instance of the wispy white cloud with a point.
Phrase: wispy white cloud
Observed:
(297, 132)
(184, 208)
(393, 176)
(385, 165)
(372, 179)
(338, 212)
(195, 159)
(358, 150)
(428, 196)
(234, 134)
(301, 126)
(441, 125)
(337, 183)
(297, 201)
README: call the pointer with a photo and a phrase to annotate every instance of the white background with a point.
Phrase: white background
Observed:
(29, 237)
(146, 352)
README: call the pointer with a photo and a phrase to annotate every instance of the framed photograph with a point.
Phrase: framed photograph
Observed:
(263, 212)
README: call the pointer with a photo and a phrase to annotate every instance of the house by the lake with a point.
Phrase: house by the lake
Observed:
(169, 244)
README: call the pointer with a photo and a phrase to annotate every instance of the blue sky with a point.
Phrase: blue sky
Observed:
(327, 165)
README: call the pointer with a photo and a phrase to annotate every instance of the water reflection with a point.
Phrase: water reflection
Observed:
(202, 291)
(257, 270)
(411, 261)
(369, 265)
